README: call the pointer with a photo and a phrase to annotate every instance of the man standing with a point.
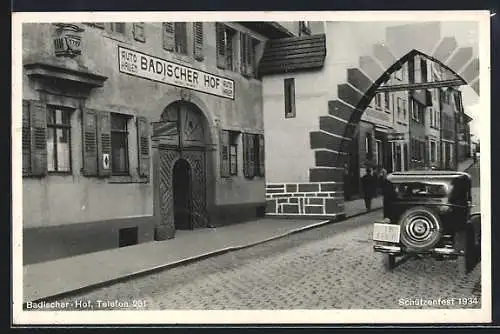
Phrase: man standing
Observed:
(369, 184)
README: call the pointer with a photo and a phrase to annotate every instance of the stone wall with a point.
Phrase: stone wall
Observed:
(305, 199)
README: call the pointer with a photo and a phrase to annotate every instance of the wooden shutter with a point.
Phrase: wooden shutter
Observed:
(38, 120)
(245, 154)
(168, 36)
(221, 45)
(251, 155)
(89, 142)
(26, 131)
(198, 40)
(143, 145)
(138, 31)
(244, 53)
(104, 143)
(224, 153)
(261, 156)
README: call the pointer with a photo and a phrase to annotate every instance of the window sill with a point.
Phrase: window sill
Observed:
(69, 173)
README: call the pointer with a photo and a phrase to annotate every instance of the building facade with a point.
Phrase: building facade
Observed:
(134, 130)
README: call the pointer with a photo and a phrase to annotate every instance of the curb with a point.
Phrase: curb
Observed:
(200, 257)
(176, 264)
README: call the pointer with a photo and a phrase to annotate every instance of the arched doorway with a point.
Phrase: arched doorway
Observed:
(182, 195)
(181, 138)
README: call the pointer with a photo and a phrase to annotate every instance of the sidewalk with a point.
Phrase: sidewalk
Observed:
(47, 279)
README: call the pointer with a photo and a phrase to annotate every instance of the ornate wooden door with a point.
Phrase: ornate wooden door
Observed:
(181, 136)
(196, 159)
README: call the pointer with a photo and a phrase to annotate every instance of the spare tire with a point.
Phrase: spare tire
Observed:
(421, 229)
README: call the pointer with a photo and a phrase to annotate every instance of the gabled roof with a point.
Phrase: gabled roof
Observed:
(293, 54)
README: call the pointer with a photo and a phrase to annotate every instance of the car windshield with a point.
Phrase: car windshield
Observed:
(420, 189)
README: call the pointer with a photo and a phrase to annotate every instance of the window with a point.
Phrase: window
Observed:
(423, 69)
(379, 153)
(119, 144)
(225, 46)
(248, 46)
(58, 139)
(369, 148)
(404, 109)
(431, 119)
(378, 100)
(253, 155)
(399, 107)
(229, 153)
(118, 27)
(386, 100)
(180, 37)
(289, 90)
(175, 37)
(433, 151)
(304, 28)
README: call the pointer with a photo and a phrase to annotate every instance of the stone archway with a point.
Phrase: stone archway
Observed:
(336, 129)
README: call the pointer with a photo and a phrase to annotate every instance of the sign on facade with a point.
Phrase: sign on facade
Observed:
(105, 160)
(160, 70)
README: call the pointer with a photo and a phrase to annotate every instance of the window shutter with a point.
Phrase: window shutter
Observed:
(38, 120)
(143, 145)
(104, 143)
(168, 36)
(138, 31)
(251, 156)
(89, 131)
(224, 153)
(245, 154)
(262, 155)
(221, 45)
(26, 130)
(244, 53)
(198, 40)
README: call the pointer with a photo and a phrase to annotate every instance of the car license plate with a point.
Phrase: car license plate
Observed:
(386, 232)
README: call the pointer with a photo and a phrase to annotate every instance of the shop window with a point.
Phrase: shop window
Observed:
(253, 155)
(119, 144)
(248, 45)
(58, 139)
(225, 46)
(289, 90)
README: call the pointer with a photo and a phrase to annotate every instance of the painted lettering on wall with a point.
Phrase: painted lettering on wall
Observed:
(157, 69)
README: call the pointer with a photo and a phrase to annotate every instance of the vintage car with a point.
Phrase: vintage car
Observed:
(428, 213)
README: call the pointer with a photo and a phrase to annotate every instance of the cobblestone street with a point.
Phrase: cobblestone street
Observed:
(320, 269)
(331, 267)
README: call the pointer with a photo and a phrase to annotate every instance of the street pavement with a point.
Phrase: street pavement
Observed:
(330, 267)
